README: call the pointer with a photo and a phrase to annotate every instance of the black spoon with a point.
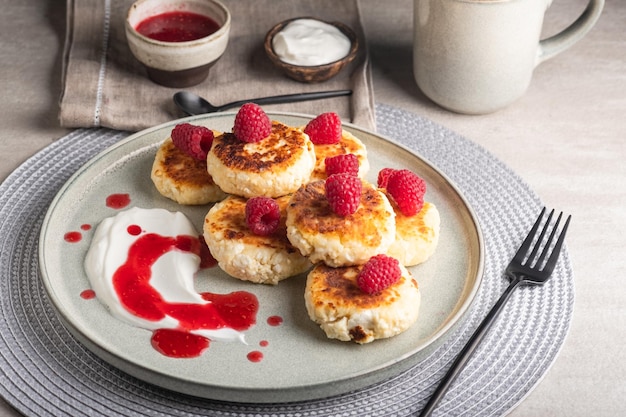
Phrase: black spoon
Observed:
(193, 104)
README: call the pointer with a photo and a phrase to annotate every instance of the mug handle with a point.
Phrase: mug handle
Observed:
(573, 33)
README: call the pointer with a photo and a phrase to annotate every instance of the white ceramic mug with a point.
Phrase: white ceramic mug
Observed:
(478, 56)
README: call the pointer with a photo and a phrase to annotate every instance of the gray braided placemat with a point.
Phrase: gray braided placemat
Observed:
(46, 372)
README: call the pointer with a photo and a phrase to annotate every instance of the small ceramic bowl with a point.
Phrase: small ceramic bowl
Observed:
(311, 74)
(178, 64)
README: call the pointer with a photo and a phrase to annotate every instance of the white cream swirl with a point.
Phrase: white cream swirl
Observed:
(172, 275)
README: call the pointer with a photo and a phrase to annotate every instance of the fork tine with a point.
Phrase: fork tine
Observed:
(523, 249)
(548, 244)
(546, 225)
(557, 248)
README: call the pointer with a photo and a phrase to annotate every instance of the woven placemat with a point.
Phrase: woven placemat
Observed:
(46, 372)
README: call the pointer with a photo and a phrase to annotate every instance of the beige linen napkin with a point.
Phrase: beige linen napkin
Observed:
(104, 85)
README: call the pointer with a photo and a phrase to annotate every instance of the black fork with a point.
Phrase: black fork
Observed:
(532, 264)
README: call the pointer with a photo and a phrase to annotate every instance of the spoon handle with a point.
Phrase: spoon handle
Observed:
(288, 98)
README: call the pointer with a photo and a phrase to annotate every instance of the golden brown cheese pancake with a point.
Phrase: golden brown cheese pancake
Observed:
(275, 166)
(348, 144)
(244, 255)
(182, 178)
(416, 236)
(334, 301)
(324, 236)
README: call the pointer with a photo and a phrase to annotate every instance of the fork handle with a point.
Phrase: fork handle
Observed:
(469, 349)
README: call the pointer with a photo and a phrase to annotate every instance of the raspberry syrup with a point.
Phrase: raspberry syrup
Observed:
(178, 344)
(88, 294)
(177, 26)
(255, 356)
(206, 258)
(117, 201)
(131, 281)
(73, 237)
(274, 320)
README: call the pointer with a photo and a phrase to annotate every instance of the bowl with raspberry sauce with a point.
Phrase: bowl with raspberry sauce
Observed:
(178, 41)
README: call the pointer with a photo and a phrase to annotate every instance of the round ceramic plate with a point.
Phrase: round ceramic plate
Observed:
(298, 361)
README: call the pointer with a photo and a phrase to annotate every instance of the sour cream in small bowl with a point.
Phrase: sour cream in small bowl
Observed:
(311, 50)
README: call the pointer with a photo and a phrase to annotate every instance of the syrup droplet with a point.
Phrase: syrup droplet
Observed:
(88, 294)
(255, 356)
(264, 343)
(179, 344)
(118, 201)
(85, 227)
(73, 237)
(274, 320)
(133, 230)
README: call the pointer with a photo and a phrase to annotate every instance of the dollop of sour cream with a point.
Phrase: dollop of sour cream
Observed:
(129, 243)
(310, 42)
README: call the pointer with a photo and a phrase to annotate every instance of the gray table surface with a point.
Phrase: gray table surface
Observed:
(566, 138)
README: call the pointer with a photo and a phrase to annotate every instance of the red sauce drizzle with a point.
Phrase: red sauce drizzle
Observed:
(178, 344)
(275, 320)
(177, 26)
(88, 294)
(73, 237)
(255, 356)
(133, 230)
(85, 227)
(118, 201)
(206, 258)
(131, 281)
(264, 343)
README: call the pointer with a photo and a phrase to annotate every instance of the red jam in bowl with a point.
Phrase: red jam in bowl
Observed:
(177, 26)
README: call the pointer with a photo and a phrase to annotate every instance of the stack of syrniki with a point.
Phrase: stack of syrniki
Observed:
(267, 160)
(273, 167)
(343, 245)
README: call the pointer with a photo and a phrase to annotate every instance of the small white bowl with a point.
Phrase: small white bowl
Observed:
(178, 64)
(317, 73)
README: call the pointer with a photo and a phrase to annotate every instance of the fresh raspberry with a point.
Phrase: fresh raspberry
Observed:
(383, 177)
(194, 140)
(342, 164)
(407, 189)
(380, 272)
(343, 192)
(262, 215)
(324, 129)
(251, 123)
